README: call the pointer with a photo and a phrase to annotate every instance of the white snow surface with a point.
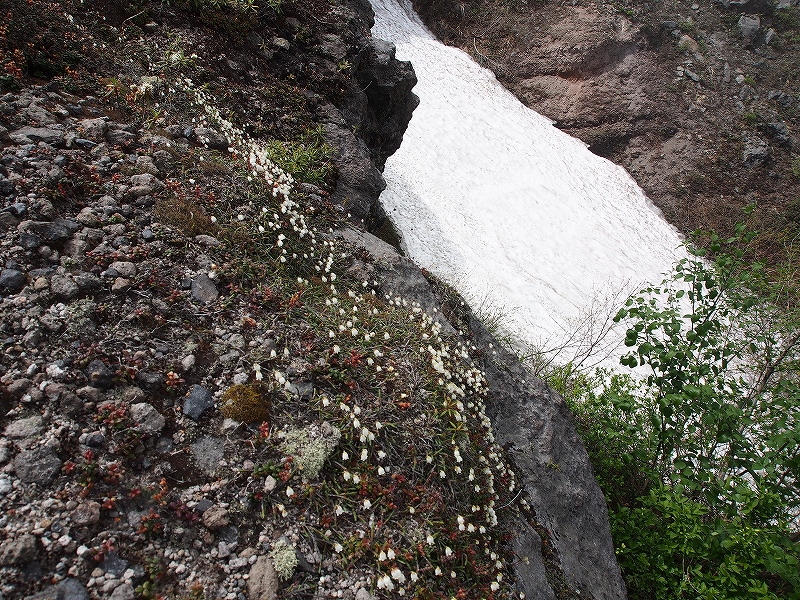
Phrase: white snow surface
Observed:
(520, 217)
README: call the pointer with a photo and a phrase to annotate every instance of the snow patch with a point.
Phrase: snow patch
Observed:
(492, 198)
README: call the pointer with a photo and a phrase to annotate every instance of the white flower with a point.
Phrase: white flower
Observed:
(289, 491)
(337, 547)
(398, 576)
(429, 539)
(339, 510)
(345, 455)
(385, 583)
(390, 554)
(438, 571)
(448, 551)
(494, 586)
(364, 454)
(382, 556)
(367, 504)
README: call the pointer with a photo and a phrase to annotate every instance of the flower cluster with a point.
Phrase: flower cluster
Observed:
(276, 178)
(405, 482)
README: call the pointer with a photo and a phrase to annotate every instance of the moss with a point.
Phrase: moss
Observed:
(245, 404)
(185, 214)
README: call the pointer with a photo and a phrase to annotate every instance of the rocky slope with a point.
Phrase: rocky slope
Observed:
(698, 101)
(205, 393)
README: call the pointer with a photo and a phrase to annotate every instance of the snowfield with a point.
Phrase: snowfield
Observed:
(521, 218)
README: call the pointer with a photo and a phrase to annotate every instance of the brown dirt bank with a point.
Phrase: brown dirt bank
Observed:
(698, 102)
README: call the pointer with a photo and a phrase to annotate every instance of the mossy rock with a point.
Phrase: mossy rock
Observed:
(244, 403)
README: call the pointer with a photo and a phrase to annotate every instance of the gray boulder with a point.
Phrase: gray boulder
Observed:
(148, 419)
(749, 26)
(64, 287)
(263, 582)
(24, 428)
(197, 401)
(11, 281)
(755, 151)
(387, 84)
(360, 183)
(33, 135)
(99, 375)
(207, 452)
(204, 290)
(20, 551)
(39, 465)
(72, 589)
(534, 424)
(211, 138)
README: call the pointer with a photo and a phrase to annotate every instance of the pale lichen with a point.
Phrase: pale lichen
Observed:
(310, 447)
(284, 559)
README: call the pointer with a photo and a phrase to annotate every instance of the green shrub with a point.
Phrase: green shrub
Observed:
(237, 5)
(669, 546)
(788, 19)
(700, 461)
(307, 159)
